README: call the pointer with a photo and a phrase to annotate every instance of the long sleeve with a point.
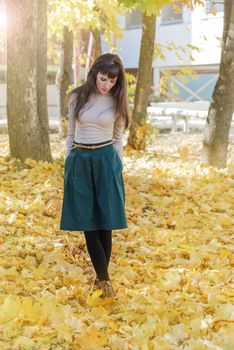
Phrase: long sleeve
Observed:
(118, 136)
(71, 125)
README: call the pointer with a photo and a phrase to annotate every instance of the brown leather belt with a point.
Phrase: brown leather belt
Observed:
(91, 147)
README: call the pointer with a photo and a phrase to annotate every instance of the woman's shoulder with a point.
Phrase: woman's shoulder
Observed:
(72, 97)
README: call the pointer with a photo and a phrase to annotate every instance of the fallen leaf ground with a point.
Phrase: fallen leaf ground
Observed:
(172, 268)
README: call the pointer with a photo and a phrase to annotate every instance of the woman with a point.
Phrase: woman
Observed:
(94, 194)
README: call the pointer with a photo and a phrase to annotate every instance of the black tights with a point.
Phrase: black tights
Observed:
(99, 244)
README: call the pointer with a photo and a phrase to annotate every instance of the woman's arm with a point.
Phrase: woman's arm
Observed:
(118, 136)
(71, 127)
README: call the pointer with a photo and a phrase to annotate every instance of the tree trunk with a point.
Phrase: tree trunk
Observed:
(26, 128)
(97, 45)
(42, 108)
(137, 140)
(66, 74)
(218, 122)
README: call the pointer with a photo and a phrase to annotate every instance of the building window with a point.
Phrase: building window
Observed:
(214, 6)
(172, 14)
(133, 19)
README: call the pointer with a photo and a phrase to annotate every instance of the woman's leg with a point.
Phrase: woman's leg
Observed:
(97, 254)
(106, 240)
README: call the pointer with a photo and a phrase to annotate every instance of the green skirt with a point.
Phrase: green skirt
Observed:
(94, 194)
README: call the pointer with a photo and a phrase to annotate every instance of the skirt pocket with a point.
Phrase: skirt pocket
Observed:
(116, 158)
(116, 167)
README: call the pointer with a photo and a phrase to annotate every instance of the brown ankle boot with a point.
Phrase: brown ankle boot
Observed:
(95, 284)
(107, 288)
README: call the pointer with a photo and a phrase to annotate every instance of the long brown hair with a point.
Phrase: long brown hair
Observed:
(110, 65)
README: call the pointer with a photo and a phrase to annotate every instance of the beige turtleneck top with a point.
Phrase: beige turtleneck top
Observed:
(97, 123)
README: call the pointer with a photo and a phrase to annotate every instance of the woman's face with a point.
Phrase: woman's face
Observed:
(104, 84)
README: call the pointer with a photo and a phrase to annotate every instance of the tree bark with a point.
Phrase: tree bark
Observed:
(144, 75)
(66, 74)
(97, 45)
(42, 108)
(218, 122)
(27, 118)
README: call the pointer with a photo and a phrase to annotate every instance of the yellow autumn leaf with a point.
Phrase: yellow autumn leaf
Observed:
(93, 298)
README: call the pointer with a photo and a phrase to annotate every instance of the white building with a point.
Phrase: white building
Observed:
(199, 28)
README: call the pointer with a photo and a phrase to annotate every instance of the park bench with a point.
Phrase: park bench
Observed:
(164, 117)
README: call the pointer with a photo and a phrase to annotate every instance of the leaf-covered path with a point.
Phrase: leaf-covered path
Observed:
(172, 268)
